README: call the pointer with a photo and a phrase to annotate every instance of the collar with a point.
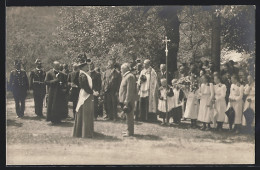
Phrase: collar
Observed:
(18, 70)
(126, 73)
(38, 69)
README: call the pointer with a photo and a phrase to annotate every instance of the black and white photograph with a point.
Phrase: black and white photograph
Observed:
(130, 85)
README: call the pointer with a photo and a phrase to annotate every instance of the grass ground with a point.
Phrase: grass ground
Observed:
(33, 141)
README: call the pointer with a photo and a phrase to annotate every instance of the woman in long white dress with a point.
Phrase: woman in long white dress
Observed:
(236, 101)
(206, 92)
(192, 106)
(220, 102)
(249, 91)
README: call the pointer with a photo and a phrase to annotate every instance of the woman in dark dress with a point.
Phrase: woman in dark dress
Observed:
(84, 118)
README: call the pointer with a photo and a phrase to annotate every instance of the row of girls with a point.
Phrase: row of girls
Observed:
(206, 101)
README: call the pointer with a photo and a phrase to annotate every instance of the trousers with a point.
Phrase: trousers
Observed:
(19, 105)
(110, 102)
(130, 121)
(38, 103)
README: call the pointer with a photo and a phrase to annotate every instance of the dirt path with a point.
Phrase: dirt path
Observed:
(32, 141)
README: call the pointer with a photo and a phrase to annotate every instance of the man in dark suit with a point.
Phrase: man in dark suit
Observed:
(111, 83)
(73, 83)
(19, 85)
(96, 79)
(127, 97)
(38, 86)
(57, 90)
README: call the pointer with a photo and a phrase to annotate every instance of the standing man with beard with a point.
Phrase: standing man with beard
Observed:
(57, 90)
(38, 86)
(111, 84)
(19, 85)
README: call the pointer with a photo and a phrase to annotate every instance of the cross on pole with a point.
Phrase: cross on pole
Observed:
(166, 52)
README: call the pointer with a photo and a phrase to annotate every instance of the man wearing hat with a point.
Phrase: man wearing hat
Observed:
(19, 84)
(38, 86)
(56, 82)
(96, 79)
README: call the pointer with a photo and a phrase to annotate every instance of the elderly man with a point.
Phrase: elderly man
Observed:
(38, 86)
(57, 90)
(127, 96)
(111, 83)
(148, 90)
(162, 74)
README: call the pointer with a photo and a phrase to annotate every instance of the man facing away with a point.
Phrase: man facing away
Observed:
(38, 86)
(19, 85)
(127, 96)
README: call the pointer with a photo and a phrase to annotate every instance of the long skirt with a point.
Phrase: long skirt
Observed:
(84, 119)
(220, 106)
(204, 110)
(192, 107)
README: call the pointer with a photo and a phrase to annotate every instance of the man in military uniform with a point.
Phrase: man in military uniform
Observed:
(111, 83)
(38, 86)
(19, 85)
(96, 79)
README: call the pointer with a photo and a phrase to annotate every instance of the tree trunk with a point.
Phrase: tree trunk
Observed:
(215, 41)
(172, 26)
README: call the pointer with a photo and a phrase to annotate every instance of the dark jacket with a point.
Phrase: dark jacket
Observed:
(96, 80)
(19, 83)
(111, 81)
(37, 84)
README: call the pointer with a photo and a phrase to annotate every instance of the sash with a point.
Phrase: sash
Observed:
(83, 95)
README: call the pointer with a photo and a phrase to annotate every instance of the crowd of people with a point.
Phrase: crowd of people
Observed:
(195, 92)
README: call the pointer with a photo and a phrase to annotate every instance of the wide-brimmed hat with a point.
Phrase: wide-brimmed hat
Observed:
(82, 60)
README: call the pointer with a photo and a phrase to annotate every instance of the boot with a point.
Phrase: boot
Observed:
(204, 126)
(220, 126)
(208, 128)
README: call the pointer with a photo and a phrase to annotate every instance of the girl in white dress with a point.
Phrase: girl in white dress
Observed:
(219, 101)
(206, 93)
(236, 101)
(192, 106)
(249, 91)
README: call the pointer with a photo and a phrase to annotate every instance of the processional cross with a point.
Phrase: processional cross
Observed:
(166, 52)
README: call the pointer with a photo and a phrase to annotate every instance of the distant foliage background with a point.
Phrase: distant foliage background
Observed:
(124, 33)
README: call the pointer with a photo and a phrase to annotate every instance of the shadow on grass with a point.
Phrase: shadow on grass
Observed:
(100, 136)
(13, 123)
(33, 118)
(147, 137)
(228, 137)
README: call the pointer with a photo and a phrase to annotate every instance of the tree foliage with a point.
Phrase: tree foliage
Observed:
(124, 33)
